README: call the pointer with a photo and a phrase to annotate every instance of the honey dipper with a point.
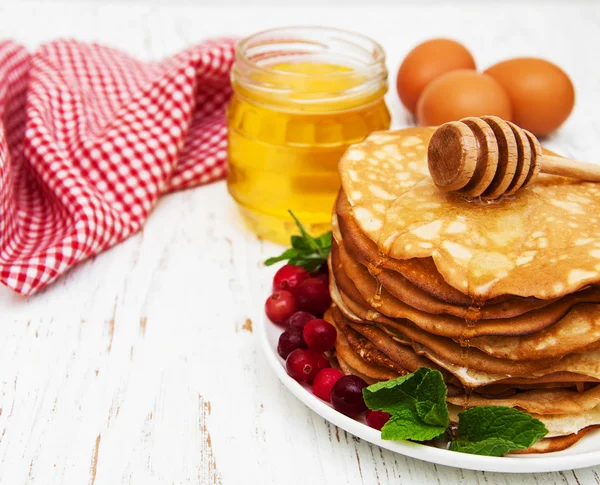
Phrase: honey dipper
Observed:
(491, 157)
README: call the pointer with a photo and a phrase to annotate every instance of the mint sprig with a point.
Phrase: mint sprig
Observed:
(306, 251)
(419, 412)
(416, 403)
(496, 430)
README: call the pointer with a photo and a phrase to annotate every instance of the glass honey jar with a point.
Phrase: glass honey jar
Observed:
(302, 95)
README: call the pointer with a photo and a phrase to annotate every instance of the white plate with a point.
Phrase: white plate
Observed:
(584, 453)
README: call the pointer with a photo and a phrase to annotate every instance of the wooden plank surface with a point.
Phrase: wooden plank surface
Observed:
(140, 366)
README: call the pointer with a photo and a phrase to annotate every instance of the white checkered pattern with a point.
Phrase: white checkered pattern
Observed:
(91, 138)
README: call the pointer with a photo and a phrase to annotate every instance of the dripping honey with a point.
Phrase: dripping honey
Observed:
(297, 105)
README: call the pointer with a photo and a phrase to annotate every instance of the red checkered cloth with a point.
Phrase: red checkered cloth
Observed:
(91, 138)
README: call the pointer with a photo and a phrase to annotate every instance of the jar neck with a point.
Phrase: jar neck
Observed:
(308, 69)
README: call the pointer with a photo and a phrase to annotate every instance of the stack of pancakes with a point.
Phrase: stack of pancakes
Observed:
(501, 298)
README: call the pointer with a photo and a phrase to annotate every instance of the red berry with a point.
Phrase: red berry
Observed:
(289, 277)
(290, 340)
(280, 306)
(319, 335)
(376, 419)
(322, 362)
(299, 319)
(301, 364)
(324, 277)
(312, 295)
(347, 396)
(324, 382)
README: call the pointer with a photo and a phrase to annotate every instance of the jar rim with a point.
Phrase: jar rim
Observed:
(374, 50)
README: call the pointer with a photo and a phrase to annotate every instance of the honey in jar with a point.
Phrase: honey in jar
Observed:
(301, 97)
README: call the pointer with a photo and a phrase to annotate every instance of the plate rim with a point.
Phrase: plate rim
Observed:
(549, 462)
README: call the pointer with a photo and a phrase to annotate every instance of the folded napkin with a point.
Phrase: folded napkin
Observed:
(91, 138)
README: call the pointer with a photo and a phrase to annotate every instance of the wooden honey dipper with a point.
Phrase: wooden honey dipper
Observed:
(489, 157)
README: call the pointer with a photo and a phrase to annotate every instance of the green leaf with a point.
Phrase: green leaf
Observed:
(416, 402)
(299, 243)
(496, 430)
(405, 424)
(488, 447)
(310, 264)
(306, 251)
(308, 239)
(324, 241)
(287, 254)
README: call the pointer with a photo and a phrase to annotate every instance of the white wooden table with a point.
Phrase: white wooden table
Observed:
(140, 366)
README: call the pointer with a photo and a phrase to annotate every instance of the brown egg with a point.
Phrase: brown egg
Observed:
(426, 62)
(459, 94)
(542, 95)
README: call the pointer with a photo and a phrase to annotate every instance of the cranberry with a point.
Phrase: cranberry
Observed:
(312, 295)
(324, 382)
(376, 419)
(302, 364)
(290, 340)
(299, 319)
(347, 396)
(324, 277)
(322, 362)
(280, 306)
(319, 335)
(289, 277)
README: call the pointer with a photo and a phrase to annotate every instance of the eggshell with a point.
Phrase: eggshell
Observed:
(541, 93)
(426, 62)
(459, 94)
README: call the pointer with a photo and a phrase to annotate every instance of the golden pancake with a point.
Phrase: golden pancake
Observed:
(421, 273)
(581, 319)
(501, 298)
(543, 242)
(471, 366)
(348, 357)
(537, 401)
(351, 371)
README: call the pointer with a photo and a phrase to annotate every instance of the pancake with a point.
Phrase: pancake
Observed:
(350, 371)
(421, 273)
(544, 242)
(573, 425)
(353, 361)
(417, 281)
(537, 401)
(502, 298)
(583, 319)
(471, 367)
(559, 339)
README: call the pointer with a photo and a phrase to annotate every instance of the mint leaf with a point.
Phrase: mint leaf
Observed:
(487, 447)
(324, 241)
(308, 239)
(306, 251)
(496, 430)
(406, 425)
(309, 263)
(291, 253)
(418, 409)
(416, 402)
(299, 243)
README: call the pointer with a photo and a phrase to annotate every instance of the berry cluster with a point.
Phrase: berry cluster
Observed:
(298, 301)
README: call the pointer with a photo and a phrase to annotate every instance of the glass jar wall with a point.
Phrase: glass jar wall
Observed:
(301, 97)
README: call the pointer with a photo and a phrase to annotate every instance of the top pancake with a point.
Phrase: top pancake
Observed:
(543, 242)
